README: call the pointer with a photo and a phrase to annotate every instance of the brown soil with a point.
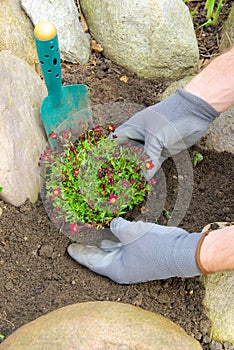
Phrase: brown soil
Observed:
(37, 275)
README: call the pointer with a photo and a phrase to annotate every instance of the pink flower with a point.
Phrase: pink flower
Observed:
(111, 127)
(152, 182)
(149, 165)
(75, 172)
(53, 135)
(125, 183)
(67, 133)
(57, 208)
(97, 128)
(44, 156)
(91, 204)
(112, 199)
(56, 192)
(73, 228)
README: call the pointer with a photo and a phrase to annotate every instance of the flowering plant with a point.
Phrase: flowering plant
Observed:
(93, 179)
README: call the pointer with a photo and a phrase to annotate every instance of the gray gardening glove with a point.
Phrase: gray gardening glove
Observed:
(146, 252)
(168, 127)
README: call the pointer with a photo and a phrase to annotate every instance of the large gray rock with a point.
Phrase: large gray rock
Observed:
(219, 298)
(152, 38)
(22, 137)
(171, 89)
(219, 302)
(100, 325)
(74, 43)
(228, 31)
(16, 31)
(220, 134)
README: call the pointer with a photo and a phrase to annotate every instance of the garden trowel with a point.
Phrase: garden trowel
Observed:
(65, 106)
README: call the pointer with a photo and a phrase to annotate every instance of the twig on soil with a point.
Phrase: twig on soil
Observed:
(5, 320)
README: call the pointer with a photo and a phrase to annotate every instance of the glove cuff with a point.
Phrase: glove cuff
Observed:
(181, 254)
(207, 112)
(198, 252)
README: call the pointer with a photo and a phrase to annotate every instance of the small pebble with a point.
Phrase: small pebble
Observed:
(163, 298)
(228, 346)
(198, 336)
(201, 186)
(100, 75)
(204, 326)
(226, 210)
(8, 286)
(46, 250)
(215, 346)
(206, 339)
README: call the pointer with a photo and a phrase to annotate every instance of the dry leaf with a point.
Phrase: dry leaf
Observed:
(93, 62)
(144, 209)
(65, 65)
(95, 46)
(84, 23)
(124, 78)
(37, 68)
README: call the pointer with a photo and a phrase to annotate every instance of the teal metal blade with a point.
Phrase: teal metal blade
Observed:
(65, 106)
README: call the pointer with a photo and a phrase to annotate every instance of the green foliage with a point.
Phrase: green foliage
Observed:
(192, 13)
(167, 214)
(1, 188)
(197, 158)
(212, 12)
(93, 179)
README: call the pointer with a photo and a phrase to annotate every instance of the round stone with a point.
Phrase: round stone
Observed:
(100, 325)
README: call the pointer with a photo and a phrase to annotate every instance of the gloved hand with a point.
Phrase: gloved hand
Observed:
(146, 252)
(168, 127)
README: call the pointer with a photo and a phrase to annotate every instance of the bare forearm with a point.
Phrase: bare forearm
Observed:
(217, 250)
(215, 83)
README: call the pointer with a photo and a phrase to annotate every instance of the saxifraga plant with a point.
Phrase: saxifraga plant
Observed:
(94, 179)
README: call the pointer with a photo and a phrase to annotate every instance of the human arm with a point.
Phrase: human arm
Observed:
(215, 83)
(217, 250)
(151, 252)
(168, 127)
(181, 120)
(145, 252)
